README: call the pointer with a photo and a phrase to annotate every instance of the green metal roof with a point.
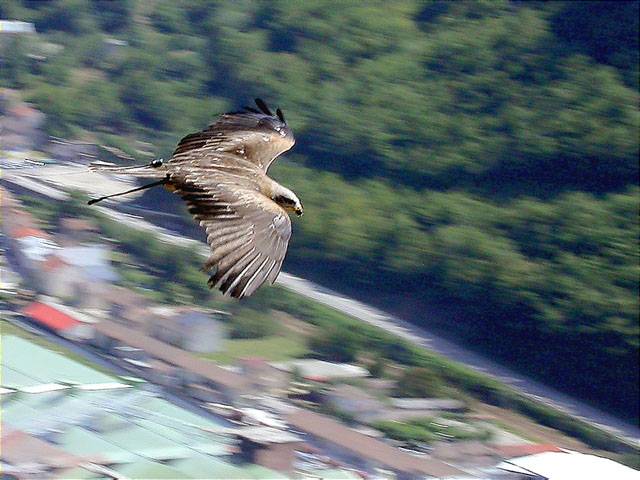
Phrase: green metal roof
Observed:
(335, 475)
(147, 443)
(143, 469)
(162, 408)
(186, 435)
(208, 467)
(82, 442)
(15, 412)
(128, 429)
(261, 473)
(14, 379)
(80, 473)
(41, 365)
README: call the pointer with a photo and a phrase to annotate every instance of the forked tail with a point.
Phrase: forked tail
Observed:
(155, 169)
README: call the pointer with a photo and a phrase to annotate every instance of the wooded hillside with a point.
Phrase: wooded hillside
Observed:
(478, 155)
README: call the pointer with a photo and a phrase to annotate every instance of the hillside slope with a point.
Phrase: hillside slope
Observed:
(482, 155)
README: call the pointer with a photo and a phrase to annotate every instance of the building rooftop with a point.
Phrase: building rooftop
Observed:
(144, 468)
(93, 259)
(172, 355)
(19, 448)
(512, 451)
(26, 364)
(132, 431)
(267, 435)
(22, 232)
(50, 317)
(94, 422)
(321, 371)
(427, 403)
(86, 443)
(16, 26)
(352, 393)
(53, 262)
(330, 430)
(36, 248)
(124, 296)
(569, 465)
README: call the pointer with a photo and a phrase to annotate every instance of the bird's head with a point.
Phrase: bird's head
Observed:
(288, 200)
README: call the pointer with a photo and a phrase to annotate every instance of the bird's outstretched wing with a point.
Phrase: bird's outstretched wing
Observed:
(248, 233)
(252, 135)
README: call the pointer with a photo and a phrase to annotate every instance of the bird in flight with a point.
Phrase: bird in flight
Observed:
(221, 173)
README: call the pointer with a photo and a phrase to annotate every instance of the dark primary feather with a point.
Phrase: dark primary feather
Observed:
(263, 106)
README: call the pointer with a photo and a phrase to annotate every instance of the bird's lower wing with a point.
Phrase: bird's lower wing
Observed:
(248, 233)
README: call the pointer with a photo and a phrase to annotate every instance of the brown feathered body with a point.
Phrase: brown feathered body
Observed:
(221, 173)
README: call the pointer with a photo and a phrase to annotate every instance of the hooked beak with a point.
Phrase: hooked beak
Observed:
(299, 211)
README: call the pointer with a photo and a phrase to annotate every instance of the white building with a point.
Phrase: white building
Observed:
(321, 371)
(188, 328)
(566, 465)
(14, 27)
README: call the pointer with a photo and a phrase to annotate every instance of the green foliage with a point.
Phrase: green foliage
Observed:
(336, 344)
(276, 348)
(419, 382)
(71, 16)
(405, 432)
(15, 66)
(113, 15)
(377, 368)
(483, 154)
(249, 323)
(333, 411)
(428, 430)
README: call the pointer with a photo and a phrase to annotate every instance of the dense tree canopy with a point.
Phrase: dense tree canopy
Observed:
(483, 154)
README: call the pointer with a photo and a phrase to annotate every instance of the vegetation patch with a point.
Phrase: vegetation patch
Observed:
(429, 430)
(272, 348)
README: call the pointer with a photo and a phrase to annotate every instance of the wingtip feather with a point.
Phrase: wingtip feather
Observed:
(263, 106)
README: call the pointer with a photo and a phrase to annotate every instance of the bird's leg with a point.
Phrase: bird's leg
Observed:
(143, 187)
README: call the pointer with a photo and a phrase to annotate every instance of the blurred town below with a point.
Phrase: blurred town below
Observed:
(489, 195)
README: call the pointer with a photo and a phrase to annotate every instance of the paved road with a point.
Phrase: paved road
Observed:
(410, 332)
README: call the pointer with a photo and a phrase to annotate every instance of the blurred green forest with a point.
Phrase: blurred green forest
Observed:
(482, 155)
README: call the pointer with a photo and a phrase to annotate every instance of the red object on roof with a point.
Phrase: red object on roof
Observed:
(513, 451)
(23, 232)
(50, 317)
(53, 262)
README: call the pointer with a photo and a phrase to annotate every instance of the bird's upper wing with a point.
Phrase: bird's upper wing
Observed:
(255, 136)
(248, 233)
